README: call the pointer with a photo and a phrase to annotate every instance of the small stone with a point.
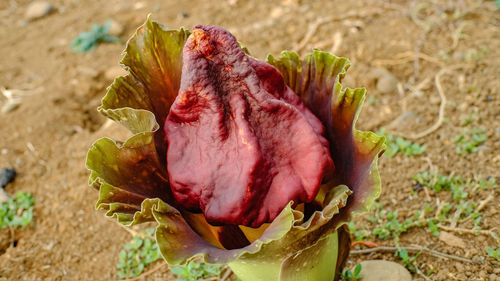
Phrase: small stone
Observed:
(7, 175)
(459, 267)
(3, 196)
(114, 72)
(38, 9)
(182, 15)
(403, 120)
(380, 270)
(494, 277)
(386, 82)
(451, 239)
(87, 71)
(115, 29)
(435, 100)
(10, 105)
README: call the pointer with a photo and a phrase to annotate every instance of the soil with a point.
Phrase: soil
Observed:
(46, 138)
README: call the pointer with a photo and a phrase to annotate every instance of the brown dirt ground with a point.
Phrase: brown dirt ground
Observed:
(47, 137)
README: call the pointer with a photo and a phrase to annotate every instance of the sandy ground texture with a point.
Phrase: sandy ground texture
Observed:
(412, 56)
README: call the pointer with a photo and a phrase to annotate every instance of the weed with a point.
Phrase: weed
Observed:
(17, 211)
(408, 261)
(471, 118)
(355, 275)
(494, 253)
(437, 182)
(459, 208)
(196, 271)
(399, 144)
(468, 141)
(371, 100)
(87, 41)
(137, 255)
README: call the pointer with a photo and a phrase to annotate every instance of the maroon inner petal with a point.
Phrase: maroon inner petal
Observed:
(241, 144)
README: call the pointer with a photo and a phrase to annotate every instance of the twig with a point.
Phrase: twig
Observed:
(439, 208)
(419, 272)
(407, 57)
(156, 268)
(315, 25)
(483, 203)
(337, 41)
(442, 106)
(310, 32)
(413, 249)
(369, 244)
(456, 216)
(489, 232)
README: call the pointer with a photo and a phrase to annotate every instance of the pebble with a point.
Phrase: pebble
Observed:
(87, 71)
(459, 267)
(380, 270)
(10, 105)
(38, 9)
(3, 196)
(7, 175)
(403, 120)
(182, 15)
(115, 29)
(114, 72)
(386, 82)
(494, 277)
(451, 239)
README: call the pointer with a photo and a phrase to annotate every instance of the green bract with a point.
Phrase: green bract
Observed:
(133, 183)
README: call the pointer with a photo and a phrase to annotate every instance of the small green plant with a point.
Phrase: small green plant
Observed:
(460, 207)
(468, 141)
(196, 271)
(137, 255)
(17, 211)
(399, 144)
(494, 253)
(408, 261)
(87, 41)
(437, 182)
(355, 275)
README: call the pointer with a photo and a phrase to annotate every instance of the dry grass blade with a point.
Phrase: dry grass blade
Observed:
(442, 105)
(316, 24)
(407, 57)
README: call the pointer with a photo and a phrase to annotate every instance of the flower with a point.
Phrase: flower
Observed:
(281, 133)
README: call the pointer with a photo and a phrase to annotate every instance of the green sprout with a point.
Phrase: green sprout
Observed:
(437, 182)
(17, 211)
(137, 255)
(355, 275)
(494, 253)
(399, 144)
(408, 261)
(468, 141)
(196, 271)
(88, 41)
(384, 224)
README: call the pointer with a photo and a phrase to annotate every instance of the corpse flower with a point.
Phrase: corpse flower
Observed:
(238, 161)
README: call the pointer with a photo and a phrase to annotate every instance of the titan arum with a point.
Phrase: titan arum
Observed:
(239, 161)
